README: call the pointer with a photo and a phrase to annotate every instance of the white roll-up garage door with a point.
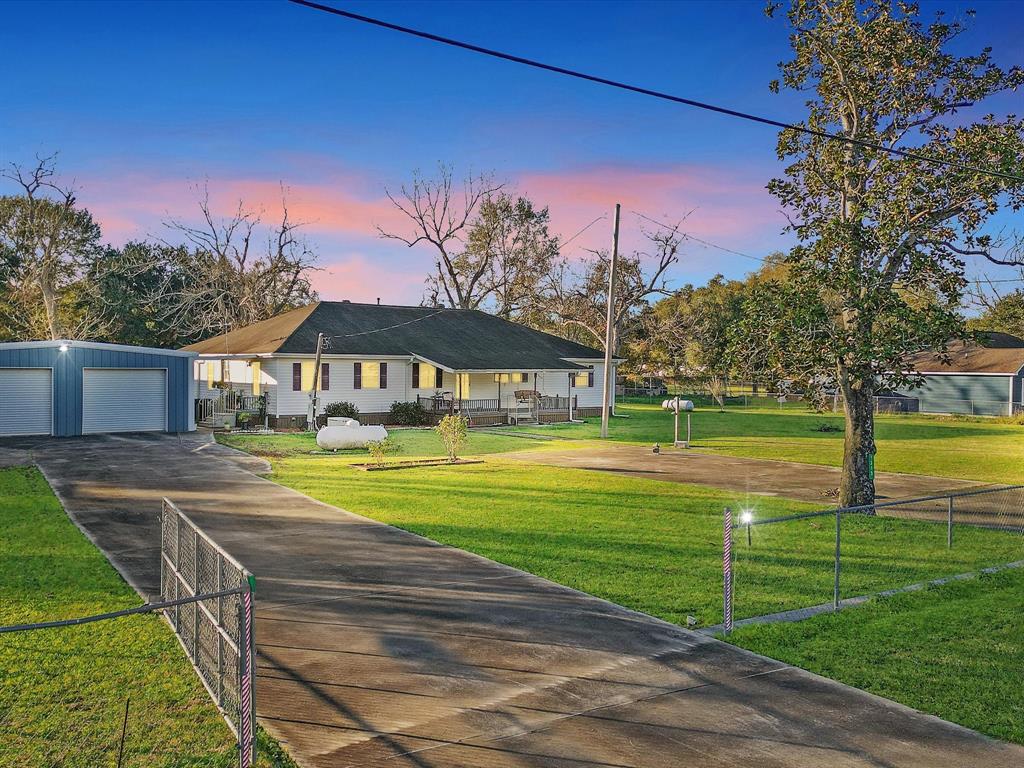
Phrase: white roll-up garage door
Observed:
(124, 400)
(26, 401)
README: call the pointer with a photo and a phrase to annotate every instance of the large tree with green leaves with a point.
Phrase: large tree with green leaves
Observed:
(689, 335)
(882, 238)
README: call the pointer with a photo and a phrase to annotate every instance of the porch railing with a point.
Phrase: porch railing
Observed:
(556, 402)
(490, 404)
(227, 403)
(458, 404)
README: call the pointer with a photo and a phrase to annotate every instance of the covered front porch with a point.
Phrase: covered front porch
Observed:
(490, 398)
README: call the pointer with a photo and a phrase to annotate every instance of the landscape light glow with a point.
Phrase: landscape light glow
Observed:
(746, 516)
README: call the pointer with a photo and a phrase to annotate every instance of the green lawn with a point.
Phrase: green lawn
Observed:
(966, 448)
(63, 691)
(411, 442)
(955, 651)
(654, 546)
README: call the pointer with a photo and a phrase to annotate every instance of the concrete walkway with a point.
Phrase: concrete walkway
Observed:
(378, 647)
(755, 477)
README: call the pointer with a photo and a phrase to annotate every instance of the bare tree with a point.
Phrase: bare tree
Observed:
(576, 301)
(440, 219)
(510, 236)
(47, 241)
(998, 309)
(235, 272)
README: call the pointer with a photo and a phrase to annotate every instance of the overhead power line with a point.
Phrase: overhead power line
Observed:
(653, 93)
(599, 218)
(688, 236)
(327, 337)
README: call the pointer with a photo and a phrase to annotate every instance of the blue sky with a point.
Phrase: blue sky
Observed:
(146, 100)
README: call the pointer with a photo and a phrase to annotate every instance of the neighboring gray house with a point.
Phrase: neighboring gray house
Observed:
(972, 378)
(376, 355)
(66, 388)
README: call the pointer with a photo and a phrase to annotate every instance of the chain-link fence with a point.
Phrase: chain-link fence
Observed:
(217, 632)
(792, 567)
(113, 688)
(935, 404)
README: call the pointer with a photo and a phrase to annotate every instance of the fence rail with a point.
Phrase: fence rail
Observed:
(882, 404)
(215, 627)
(846, 544)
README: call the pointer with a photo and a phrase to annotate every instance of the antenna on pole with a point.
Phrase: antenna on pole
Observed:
(609, 332)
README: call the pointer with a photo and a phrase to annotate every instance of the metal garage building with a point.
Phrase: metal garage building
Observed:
(68, 388)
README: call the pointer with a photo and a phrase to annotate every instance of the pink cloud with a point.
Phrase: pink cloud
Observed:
(133, 206)
(342, 209)
(363, 278)
(718, 205)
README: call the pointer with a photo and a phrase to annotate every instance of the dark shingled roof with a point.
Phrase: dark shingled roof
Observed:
(459, 339)
(997, 353)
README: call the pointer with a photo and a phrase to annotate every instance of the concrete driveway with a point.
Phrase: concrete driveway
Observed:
(378, 647)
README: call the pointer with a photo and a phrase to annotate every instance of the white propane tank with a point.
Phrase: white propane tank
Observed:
(342, 432)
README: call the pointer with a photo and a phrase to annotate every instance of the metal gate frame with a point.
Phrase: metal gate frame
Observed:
(212, 637)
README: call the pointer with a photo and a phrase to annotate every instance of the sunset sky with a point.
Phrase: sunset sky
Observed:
(145, 101)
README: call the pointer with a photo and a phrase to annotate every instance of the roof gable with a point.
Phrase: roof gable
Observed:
(263, 337)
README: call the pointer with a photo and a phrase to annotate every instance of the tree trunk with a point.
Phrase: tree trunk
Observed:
(857, 486)
(49, 303)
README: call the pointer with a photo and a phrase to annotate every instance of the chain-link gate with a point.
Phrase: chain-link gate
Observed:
(216, 633)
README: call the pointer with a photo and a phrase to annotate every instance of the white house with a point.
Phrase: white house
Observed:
(374, 356)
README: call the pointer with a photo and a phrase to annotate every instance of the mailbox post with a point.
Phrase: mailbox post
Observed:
(676, 406)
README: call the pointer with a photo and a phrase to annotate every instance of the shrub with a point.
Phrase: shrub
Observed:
(453, 430)
(408, 414)
(341, 409)
(379, 450)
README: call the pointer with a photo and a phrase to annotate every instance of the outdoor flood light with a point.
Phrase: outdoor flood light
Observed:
(746, 518)
(63, 347)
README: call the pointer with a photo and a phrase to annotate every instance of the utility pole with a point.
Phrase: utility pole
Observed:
(609, 331)
(316, 383)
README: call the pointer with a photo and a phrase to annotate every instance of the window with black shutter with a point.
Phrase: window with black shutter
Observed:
(438, 378)
(590, 378)
(325, 376)
(415, 375)
(357, 375)
(383, 375)
(296, 377)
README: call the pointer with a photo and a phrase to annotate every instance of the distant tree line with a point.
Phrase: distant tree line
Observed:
(59, 280)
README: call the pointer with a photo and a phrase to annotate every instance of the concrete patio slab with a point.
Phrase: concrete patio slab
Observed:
(378, 647)
(750, 477)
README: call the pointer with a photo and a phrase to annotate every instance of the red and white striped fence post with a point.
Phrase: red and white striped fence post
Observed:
(247, 659)
(727, 571)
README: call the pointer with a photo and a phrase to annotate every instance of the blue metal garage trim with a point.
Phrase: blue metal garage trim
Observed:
(67, 376)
